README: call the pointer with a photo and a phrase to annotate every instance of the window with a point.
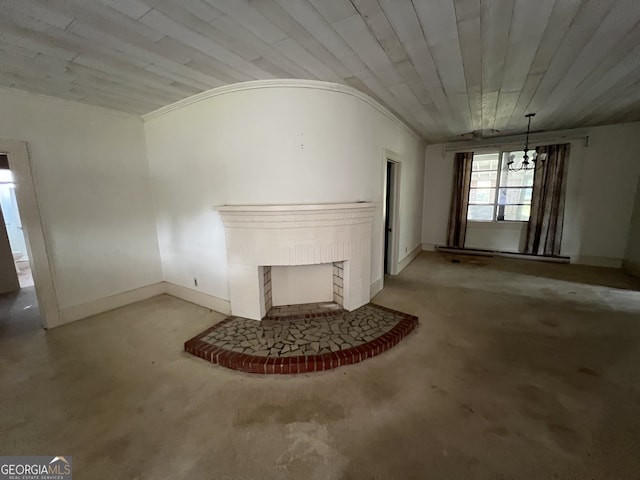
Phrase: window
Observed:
(496, 193)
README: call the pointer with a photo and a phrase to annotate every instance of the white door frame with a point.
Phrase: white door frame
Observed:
(26, 195)
(389, 155)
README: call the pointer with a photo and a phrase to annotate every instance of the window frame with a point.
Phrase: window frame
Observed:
(498, 187)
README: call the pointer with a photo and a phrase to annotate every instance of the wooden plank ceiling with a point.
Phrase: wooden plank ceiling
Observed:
(445, 67)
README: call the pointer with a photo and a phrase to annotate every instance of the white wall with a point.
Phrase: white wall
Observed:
(601, 185)
(271, 143)
(91, 176)
(632, 257)
(498, 236)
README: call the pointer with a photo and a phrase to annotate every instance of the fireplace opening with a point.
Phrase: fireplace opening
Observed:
(289, 285)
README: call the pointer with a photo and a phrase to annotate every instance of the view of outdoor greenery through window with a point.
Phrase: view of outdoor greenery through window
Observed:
(496, 193)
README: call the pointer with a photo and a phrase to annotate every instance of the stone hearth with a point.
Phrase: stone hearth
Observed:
(299, 339)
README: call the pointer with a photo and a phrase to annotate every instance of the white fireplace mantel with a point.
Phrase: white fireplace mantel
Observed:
(274, 235)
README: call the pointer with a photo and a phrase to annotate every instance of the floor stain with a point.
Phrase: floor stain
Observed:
(467, 407)
(499, 431)
(588, 371)
(377, 391)
(310, 453)
(300, 411)
(563, 435)
(439, 391)
(549, 322)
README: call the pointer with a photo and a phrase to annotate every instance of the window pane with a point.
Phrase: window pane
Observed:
(508, 196)
(487, 161)
(480, 212)
(484, 179)
(516, 179)
(518, 213)
(482, 195)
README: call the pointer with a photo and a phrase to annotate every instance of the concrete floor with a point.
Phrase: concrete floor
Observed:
(517, 370)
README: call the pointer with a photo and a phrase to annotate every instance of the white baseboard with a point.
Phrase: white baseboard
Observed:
(101, 305)
(105, 304)
(632, 267)
(375, 288)
(598, 261)
(494, 253)
(402, 264)
(428, 247)
(199, 298)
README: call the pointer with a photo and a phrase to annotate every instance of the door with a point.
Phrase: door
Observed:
(388, 215)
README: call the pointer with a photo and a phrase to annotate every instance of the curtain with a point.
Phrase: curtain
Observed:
(544, 231)
(460, 199)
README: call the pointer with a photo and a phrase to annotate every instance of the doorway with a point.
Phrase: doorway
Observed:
(19, 201)
(17, 243)
(390, 216)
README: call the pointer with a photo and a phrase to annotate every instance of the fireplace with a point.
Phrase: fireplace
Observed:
(266, 241)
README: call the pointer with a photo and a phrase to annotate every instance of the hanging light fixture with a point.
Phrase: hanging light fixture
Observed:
(537, 161)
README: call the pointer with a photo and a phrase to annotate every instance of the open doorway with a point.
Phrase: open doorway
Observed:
(390, 220)
(23, 257)
(14, 231)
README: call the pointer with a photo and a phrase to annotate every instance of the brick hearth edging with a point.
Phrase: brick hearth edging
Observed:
(301, 364)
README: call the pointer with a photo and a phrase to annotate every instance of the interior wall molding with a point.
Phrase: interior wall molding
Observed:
(283, 83)
(535, 139)
(105, 304)
(497, 253)
(205, 300)
(102, 305)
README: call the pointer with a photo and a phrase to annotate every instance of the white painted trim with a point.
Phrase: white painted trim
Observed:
(395, 229)
(632, 268)
(596, 261)
(10, 283)
(202, 299)
(376, 287)
(428, 247)
(282, 83)
(105, 304)
(394, 157)
(535, 139)
(296, 216)
(28, 205)
(495, 253)
(304, 207)
(409, 258)
(112, 302)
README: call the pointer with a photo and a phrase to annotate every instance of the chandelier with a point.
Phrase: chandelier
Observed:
(537, 161)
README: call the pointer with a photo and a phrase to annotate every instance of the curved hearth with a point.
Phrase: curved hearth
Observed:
(320, 338)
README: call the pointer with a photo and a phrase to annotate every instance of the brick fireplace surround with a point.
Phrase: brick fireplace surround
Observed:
(261, 236)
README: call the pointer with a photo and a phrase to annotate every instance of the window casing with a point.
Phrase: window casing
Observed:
(497, 194)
